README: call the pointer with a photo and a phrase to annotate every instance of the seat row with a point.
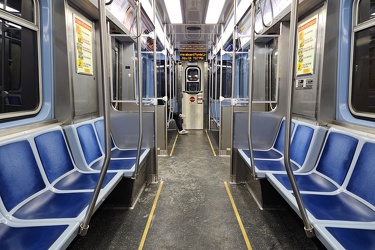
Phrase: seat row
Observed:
(335, 172)
(45, 191)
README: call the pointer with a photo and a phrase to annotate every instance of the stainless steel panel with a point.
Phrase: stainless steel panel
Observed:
(85, 87)
(161, 129)
(327, 100)
(225, 130)
(62, 89)
(305, 99)
(193, 111)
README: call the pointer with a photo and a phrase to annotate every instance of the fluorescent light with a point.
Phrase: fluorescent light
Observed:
(174, 10)
(215, 7)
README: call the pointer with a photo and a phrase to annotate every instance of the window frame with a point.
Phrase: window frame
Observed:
(356, 28)
(33, 26)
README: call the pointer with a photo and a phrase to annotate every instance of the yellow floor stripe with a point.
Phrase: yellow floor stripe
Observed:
(209, 140)
(150, 217)
(174, 145)
(238, 217)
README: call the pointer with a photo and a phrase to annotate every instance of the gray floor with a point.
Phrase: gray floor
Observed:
(194, 211)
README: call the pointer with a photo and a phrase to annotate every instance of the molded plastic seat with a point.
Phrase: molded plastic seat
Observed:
(59, 167)
(87, 153)
(115, 151)
(22, 186)
(331, 169)
(277, 149)
(37, 237)
(304, 150)
(354, 238)
(349, 202)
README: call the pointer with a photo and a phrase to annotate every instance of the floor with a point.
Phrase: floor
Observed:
(194, 210)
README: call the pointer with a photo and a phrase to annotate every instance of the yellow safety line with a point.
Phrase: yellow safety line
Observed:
(174, 144)
(150, 217)
(209, 140)
(238, 217)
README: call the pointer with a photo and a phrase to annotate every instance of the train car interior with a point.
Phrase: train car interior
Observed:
(187, 124)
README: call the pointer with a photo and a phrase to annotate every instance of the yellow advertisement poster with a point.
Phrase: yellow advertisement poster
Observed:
(83, 46)
(306, 46)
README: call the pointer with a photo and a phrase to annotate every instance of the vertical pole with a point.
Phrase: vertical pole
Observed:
(140, 95)
(251, 87)
(155, 173)
(234, 172)
(309, 230)
(106, 100)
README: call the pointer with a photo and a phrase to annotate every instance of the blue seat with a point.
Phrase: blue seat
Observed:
(25, 195)
(331, 168)
(298, 150)
(87, 153)
(304, 149)
(349, 201)
(115, 151)
(339, 193)
(40, 235)
(354, 238)
(277, 149)
(59, 167)
(27, 237)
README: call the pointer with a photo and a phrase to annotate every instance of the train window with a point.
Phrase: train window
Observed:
(366, 11)
(23, 9)
(19, 61)
(362, 90)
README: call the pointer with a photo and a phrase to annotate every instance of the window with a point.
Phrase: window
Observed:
(19, 59)
(362, 90)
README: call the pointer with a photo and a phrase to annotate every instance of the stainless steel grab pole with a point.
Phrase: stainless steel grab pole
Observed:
(309, 230)
(251, 85)
(106, 100)
(140, 107)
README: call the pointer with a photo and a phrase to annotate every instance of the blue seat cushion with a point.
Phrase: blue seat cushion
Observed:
(337, 156)
(77, 180)
(19, 173)
(89, 143)
(337, 207)
(264, 154)
(29, 237)
(122, 164)
(362, 180)
(125, 153)
(311, 182)
(273, 165)
(54, 154)
(54, 205)
(354, 239)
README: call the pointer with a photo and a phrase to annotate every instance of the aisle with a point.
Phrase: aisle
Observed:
(194, 211)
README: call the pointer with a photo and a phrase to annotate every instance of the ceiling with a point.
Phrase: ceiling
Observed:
(193, 34)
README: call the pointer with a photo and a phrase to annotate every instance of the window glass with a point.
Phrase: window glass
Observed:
(19, 68)
(363, 81)
(366, 10)
(20, 8)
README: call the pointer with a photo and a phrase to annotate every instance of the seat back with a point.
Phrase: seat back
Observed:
(362, 179)
(99, 127)
(19, 173)
(54, 154)
(301, 143)
(336, 156)
(89, 143)
(279, 142)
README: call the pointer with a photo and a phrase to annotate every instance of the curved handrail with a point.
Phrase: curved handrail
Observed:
(309, 230)
(140, 107)
(251, 83)
(106, 100)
